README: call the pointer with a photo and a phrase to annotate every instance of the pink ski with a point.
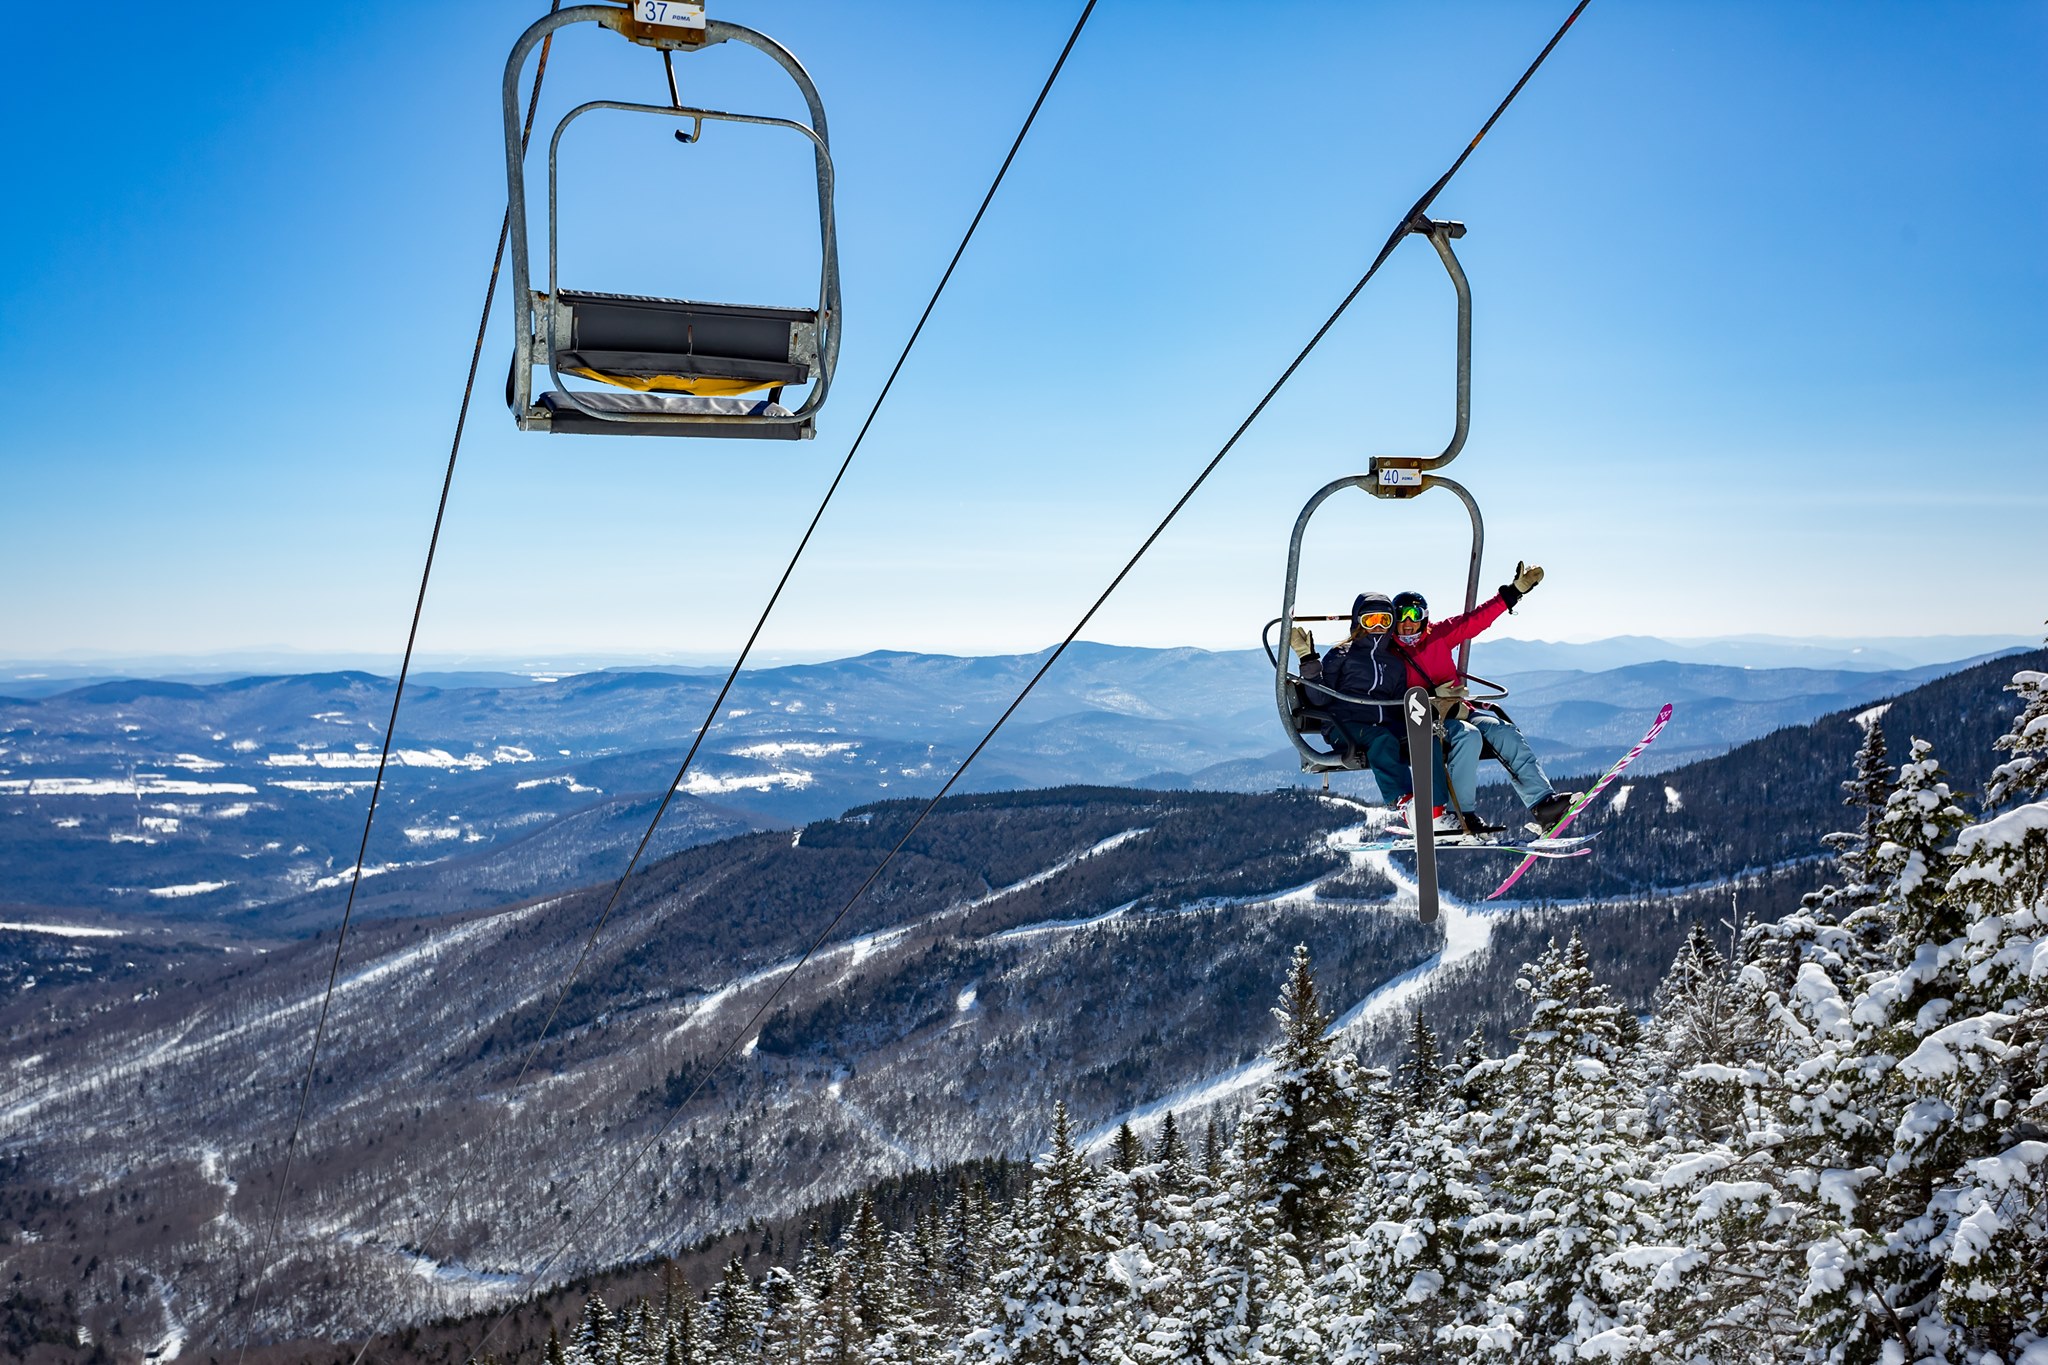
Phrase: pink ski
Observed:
(1656, 728)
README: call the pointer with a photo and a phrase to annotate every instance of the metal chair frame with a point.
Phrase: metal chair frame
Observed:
(537, 316)
(1393, 477)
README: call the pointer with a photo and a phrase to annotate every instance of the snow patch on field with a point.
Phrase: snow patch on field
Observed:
(1620, 802)
(1868, 718)
(798, 748)
(1673, 802)
(60, 930)
(189, 889)
(704, 784)
(142, 784)
(563, 780)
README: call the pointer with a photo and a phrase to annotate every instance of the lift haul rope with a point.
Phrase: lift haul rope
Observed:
(1401, 230)
(711, 715)
(746, 650)
(483, 324)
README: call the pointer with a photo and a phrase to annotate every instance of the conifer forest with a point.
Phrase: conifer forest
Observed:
(1826, 1142)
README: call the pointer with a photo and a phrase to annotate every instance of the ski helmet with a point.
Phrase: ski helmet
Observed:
(1410, 608)
(1371, 603)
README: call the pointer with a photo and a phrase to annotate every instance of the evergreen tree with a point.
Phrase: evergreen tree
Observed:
(2024, 776)
(1171, 1155)
(735, 1316)
(1300, 1137)
(1915, 856)
(1423, 1078)
(1048, 1295)
(1126, 1153)
(1565, 1146)
(597, 1334)
(555, 1355)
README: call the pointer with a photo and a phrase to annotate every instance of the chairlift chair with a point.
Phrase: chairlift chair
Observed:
(676, 367)
(1303, 704)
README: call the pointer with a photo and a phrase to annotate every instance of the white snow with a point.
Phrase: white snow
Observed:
(142, 784)
(562, 780)
(60, 930)
(798, 747)
(1061, 866)
(188, 889)
(704, 784)
(160, 824)
(1870, 717)
(1620, 801)
(402, 758)
(308, 785)
(1673, 802)
(964, 1001)
(431, 834)
(194, 763)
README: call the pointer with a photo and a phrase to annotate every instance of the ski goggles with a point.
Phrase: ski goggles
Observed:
(1377, 621)
(1414, 615)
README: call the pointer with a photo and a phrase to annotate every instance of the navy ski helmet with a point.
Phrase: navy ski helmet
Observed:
(1411, 613)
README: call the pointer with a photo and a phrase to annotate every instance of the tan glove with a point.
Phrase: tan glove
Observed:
(1451, 700)
(1301, 642)
(1527, 576)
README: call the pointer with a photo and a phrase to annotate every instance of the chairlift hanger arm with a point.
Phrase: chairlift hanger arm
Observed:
(1400, 476)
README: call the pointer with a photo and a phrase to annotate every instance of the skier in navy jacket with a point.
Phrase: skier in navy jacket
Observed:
(1367, 667)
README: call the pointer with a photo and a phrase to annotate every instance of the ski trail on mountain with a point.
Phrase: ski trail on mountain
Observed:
(155, 1053)
(1038, 878)
(1467, 934)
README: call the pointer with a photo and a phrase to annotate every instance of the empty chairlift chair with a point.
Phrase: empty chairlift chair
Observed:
(675, 367)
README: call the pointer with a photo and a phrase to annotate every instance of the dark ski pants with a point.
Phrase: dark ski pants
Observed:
(1383, 746)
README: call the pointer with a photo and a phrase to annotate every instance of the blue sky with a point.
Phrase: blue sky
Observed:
(1761, 329)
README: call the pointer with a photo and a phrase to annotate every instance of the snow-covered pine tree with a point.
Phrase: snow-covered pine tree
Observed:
(1423, 1076)
(1866, 793)
(640, 1336)
(1706, 1020)
(1912, 1097)
(597, 1335)
(1171, 1155)
(1995, 1282)
(2024, 776)
(1413, 1267)
(1564, 1142)
(735, 1316)
(1723, 1285)
(1126, 1153)
(1300, 1137)
(1048, 1292)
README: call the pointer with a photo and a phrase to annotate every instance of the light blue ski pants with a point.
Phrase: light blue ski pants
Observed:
(1466, 738)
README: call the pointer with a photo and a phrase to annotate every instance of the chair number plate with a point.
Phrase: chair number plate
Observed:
(670, 13)
(1400, 478)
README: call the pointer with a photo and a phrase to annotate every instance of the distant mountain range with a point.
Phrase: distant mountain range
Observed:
(1113, 948)
(244, 797)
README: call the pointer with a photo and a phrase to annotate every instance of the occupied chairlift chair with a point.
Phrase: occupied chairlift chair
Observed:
(684, 366)
(1303, 704)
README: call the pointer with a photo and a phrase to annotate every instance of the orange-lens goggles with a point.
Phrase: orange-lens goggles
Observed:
(1377, 620)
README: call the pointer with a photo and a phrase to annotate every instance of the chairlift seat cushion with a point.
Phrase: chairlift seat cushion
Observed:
(567, 417)
(676, 345)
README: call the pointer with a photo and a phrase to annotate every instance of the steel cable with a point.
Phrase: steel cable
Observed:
(746, 650)
(1402, 229)
(275, 1221)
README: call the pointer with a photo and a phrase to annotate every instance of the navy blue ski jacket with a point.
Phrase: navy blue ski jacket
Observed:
(1365, 666)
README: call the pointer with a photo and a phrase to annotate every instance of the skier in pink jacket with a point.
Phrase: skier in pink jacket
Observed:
(1472, 729)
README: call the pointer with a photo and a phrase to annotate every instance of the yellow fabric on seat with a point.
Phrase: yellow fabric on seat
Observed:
(670, 383)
